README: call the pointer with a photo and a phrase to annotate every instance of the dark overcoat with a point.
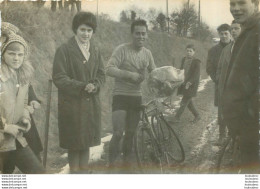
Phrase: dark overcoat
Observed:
(212, 65)
(192, 76)
(79, 112)
(240, 93)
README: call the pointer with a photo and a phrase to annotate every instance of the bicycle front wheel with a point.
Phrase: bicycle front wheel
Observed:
(146, 150)
(168, 140)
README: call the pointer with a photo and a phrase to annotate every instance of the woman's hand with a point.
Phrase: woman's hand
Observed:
(27, 124)
(35, 104)
(90, 88)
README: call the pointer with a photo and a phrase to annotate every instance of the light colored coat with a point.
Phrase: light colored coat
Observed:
(13, 108)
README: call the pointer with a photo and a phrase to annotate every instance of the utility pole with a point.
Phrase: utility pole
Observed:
(199, 24)
(97, 9)
(188, 4)
(167, 17)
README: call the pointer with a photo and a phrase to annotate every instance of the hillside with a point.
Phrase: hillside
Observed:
(46, 30)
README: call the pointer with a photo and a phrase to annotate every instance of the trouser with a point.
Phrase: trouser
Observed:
(222, 126)
(125, 117)
(24, 159)
(248, 132)
(186, 102)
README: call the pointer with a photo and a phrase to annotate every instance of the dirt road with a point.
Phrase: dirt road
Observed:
(199, 140)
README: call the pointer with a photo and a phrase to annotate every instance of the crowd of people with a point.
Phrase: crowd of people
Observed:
(79, 73)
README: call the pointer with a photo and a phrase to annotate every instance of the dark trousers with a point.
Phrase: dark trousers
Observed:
(24, 159)
(186, 102)
(222, 126)
(248, 132)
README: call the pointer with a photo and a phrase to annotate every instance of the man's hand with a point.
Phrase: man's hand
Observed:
(136, 78)
(188, 84)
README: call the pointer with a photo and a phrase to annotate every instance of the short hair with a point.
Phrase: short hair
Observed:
(190, 46)
(86, 18)
(223, 27)
(139, 22)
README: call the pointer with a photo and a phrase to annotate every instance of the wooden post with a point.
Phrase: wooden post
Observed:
(47, 124)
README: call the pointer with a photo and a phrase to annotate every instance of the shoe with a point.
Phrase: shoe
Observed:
(196, 119)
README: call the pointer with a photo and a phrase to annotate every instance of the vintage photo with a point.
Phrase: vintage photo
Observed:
(129, 87)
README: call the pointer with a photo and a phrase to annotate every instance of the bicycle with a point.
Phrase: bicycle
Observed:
(157, 145)
(229, 156)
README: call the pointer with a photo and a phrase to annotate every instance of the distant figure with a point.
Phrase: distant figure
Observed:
(212, 65)
(78, 73)
(127, 65)
(239, 99)
(189, 88)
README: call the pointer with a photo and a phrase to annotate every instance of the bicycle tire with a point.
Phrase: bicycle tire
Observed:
(146, 150)
(168, 139)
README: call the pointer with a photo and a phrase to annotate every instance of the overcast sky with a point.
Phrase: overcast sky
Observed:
(214, 12)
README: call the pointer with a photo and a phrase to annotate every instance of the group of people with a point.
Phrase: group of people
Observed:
(79, 73)
(233, 66)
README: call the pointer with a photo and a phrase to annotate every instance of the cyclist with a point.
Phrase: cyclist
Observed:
(127, 65)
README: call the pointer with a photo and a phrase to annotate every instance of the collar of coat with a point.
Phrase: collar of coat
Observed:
(73, 44)
(252, 21)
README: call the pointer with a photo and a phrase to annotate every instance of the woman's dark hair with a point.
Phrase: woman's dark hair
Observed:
(84, 18)
(139, 22)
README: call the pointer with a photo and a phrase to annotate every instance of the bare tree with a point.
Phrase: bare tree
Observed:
(184, 19)
(161, 19)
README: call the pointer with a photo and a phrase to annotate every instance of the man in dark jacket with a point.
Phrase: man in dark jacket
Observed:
(239, 100)
(212, 65)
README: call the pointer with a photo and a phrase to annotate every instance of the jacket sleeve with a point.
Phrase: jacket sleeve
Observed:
(210, 65)
(151, 65)
(61, 78)
(101, 77)
(219, 68)
(195, 72)
(182, 63)
(114, 63)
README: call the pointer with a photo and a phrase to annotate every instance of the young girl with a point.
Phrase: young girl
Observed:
(15, 73)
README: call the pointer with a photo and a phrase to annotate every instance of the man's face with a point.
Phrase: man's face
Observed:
(242, 9)
(139, 36)
(235, 30)
(190, 52)
(224, 36)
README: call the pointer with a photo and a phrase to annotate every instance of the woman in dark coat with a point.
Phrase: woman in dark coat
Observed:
(78, 73)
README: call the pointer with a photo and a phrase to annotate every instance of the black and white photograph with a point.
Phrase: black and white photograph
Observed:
(130, 87)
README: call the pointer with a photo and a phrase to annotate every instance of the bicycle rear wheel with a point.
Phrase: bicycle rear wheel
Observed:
(147, 152)
(168, 140)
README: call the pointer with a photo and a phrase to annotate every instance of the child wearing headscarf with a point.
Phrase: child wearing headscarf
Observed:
(15, 75)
